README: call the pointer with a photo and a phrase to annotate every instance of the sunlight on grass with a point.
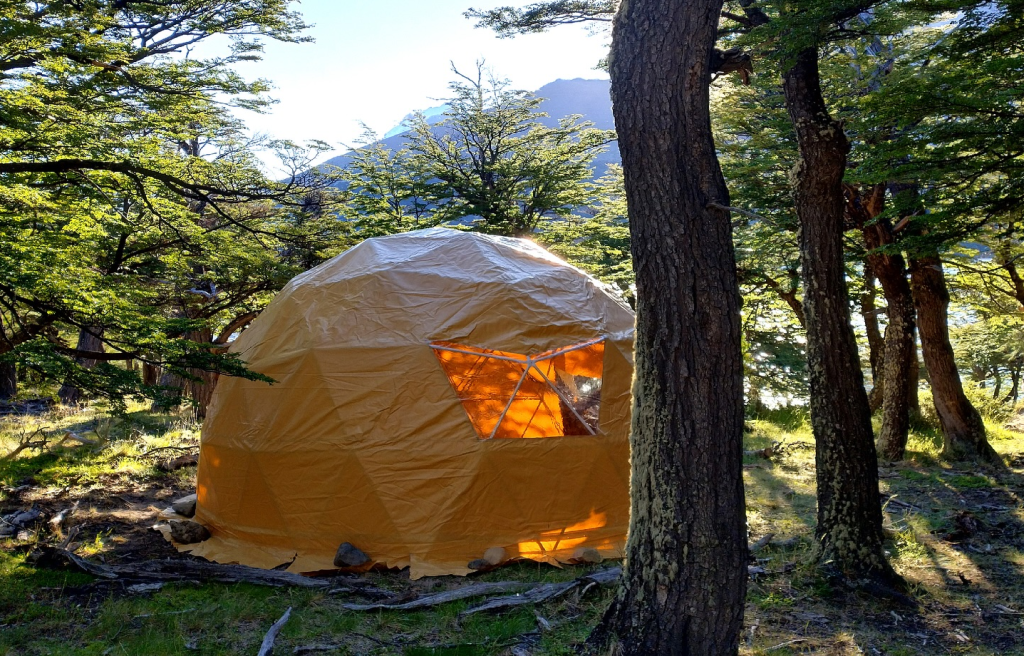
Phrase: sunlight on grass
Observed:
(780, 498)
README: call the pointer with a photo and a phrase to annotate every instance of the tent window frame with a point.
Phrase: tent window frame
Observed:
(530, 363)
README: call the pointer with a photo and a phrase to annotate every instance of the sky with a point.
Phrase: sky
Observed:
(374, 61)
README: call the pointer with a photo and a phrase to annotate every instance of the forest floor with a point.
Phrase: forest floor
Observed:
(955, 533)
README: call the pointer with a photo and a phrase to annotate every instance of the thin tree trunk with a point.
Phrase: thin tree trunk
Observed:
(201, 391)
(963, 431)
(899, 338)
(8, 380)
(876, 343)
(88, 340)
(849, 528)
(684, 583)
(170, 395)
(1015, 373)
(150, 374)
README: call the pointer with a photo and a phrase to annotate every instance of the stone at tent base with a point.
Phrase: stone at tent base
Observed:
(349, 556)
(185, 506)
(496, 555)
(188, 532)
(492, 558)
(587, 555)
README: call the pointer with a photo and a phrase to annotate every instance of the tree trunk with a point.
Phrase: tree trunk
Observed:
(683, 586)
(900, 350)
(1015, 373)
(169, 396)
(876, 343)
(150, 374)
(201, 391)
(849, 528)
(8, 380)
(963, 431)
(88, 340)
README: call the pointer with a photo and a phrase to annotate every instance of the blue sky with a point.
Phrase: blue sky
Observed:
(377, 60)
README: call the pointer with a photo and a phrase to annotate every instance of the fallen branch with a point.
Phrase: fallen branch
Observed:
(893, 501)
(75, 437)
(268, 640)
(545, 592)
(777, 449)
(176, 570)
(309, 649)
(785, 644)
(761, 544)
(465, 592)
(25, 443)
(57, 522)
(170, 448)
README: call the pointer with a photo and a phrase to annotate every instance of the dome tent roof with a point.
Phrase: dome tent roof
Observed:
(402, 366)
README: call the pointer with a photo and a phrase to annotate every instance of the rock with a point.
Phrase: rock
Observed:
(188, 532)
(496, 555)
(185, 506)
(479, 564)
(349, 556)
(587, 555)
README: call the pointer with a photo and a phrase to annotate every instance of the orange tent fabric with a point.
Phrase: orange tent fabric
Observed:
(403, 366)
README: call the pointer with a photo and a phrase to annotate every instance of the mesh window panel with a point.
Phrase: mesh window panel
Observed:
(512, 395)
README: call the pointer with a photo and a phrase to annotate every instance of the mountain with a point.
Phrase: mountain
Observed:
(589, 98)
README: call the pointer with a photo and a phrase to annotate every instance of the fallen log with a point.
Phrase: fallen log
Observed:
(465, 592)
(175, 570)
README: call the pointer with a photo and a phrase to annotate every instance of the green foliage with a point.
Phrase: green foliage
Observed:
(132, 204)
(538, 17)
(491, 160)
(598, 244)
(386, 190)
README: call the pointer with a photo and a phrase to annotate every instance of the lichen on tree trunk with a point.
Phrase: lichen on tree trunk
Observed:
(900, 349)
(849, 527)
(684, 582)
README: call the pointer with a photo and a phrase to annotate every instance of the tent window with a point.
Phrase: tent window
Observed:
(511, 395)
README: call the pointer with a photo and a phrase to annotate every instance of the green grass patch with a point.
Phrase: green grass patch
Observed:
(968, 482)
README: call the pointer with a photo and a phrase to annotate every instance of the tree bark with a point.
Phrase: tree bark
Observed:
(963, 431)
(8, 380)
(150, 374)
(849, 527)
(200, 391)
(88, 340)
(900, 349)
(1015, 374)
(683, 587)
(876, 343)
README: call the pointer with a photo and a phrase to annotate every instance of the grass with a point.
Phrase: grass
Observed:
(962, 577)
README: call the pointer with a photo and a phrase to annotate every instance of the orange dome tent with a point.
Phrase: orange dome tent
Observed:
(438, 393)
